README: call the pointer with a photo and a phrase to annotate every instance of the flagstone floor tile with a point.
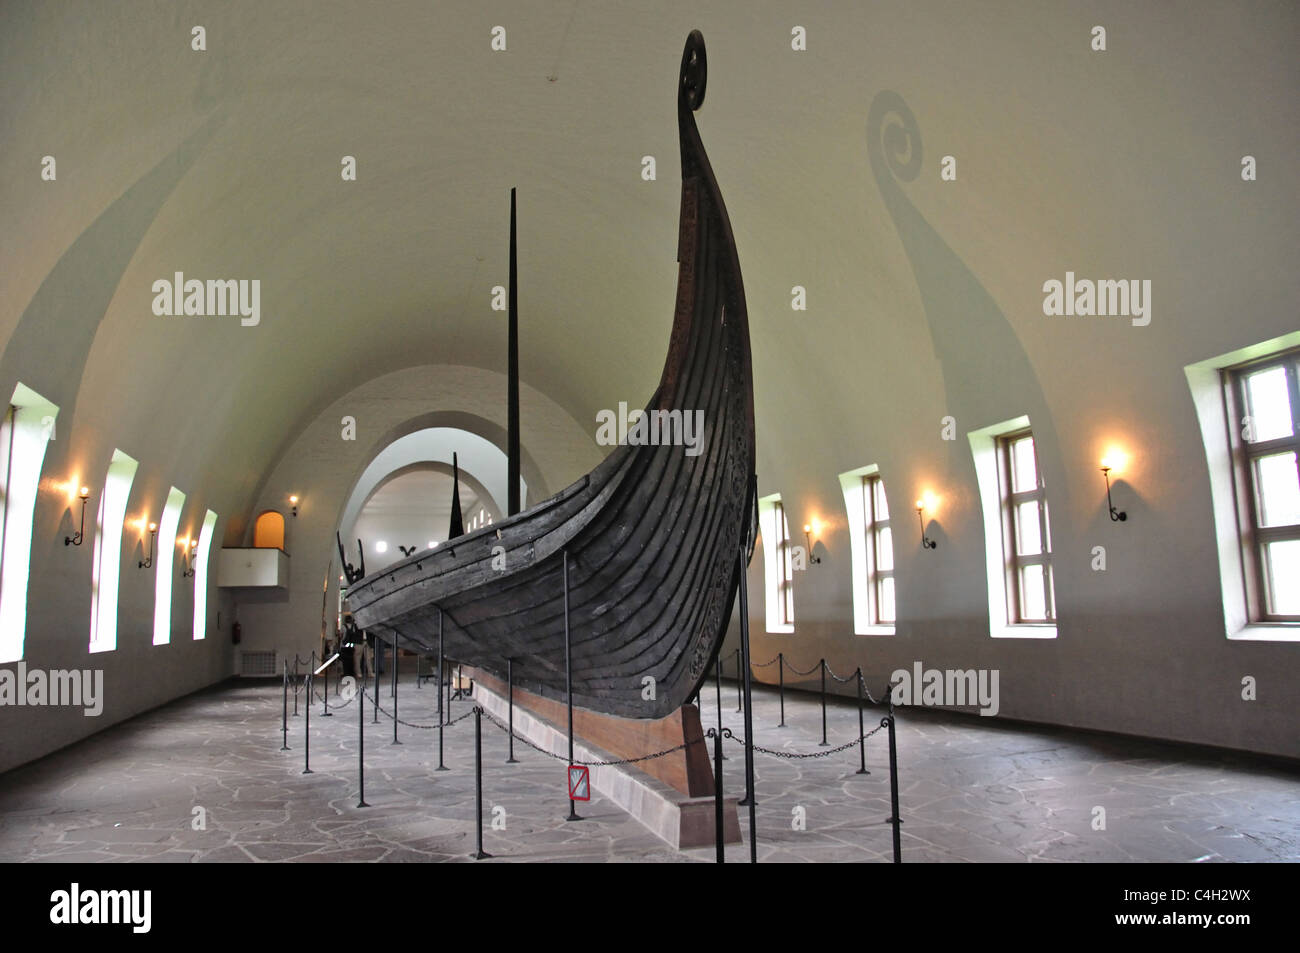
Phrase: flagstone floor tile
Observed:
(204, 780)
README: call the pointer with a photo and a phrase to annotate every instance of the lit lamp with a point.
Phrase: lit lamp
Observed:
(808, 530)
(189, 549)
(927, 499)
(148, 561)
(293, 501)
(80, 535)
(1113, 460)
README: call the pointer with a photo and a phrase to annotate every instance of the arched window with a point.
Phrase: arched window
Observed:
(872, 540)
(778, 564)
(165, 581)
(106, 568)
(27, 427)
(268, 531)
(201, 576)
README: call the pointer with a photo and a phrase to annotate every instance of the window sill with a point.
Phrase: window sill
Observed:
(780, 630)
(1267, 632)
(1024, 631)
(875, 630)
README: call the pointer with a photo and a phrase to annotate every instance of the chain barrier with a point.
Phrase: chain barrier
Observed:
(831, 673)
(858, 742)
(591, 764)
(299, 681)
(334, 706)
(788, 755)
(796, 755)
(866, 691)
(797, 672)
(802, 674)
(408, 724)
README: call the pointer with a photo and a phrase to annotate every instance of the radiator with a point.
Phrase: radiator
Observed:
(257, 664)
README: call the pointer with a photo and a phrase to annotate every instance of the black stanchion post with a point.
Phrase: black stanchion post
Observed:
(717, 689)
(568, 676)
(441, 673)
(295, 684)
(719, 835)
(862, 738)
(480, 854)
(306, 731)
(361, 748)
(780, 667)
(750, 796)
(510, 701)
(896, 820)
(823, 742)
(395, 741)
(326, 712)
(739, 697)
(284, 721)
(418, 656)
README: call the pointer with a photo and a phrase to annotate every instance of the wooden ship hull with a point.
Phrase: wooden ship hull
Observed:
(640, 560)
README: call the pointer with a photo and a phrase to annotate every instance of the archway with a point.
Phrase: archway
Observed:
(403, 496)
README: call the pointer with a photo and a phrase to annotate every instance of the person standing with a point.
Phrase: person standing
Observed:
(349, 639)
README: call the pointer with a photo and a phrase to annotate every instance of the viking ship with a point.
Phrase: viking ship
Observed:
(635, 567)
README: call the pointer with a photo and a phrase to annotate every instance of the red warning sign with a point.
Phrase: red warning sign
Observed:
(579, 783)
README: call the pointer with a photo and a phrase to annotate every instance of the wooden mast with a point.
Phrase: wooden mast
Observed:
(457, 527)
(512, 386)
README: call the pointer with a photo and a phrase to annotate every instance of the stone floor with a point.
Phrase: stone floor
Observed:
(971, 790)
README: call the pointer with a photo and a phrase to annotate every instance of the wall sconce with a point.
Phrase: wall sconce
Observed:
(293, 501)
(926, 542)
(77, 538)
(807, 538)
(1112, 461)
(189, 549)
(148, 561)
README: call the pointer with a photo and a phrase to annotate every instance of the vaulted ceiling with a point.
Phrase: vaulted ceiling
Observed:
(225, 163)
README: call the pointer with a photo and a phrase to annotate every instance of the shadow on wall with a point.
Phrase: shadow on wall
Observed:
(987, 376)
(58, 326)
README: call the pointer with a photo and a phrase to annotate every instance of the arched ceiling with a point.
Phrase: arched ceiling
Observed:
(226, 164)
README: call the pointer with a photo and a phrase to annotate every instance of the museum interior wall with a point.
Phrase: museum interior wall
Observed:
(923, 317)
